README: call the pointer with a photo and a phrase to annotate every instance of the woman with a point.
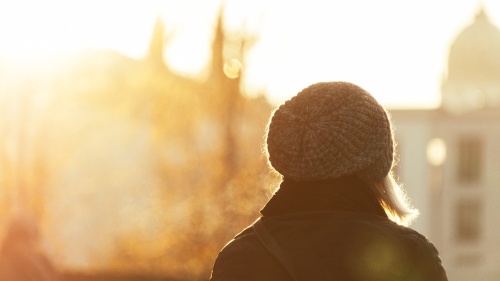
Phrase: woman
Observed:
(338, 213)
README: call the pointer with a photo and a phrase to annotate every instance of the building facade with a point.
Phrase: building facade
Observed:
(450, 157)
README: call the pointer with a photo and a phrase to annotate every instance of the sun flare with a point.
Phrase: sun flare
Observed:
(51, 27)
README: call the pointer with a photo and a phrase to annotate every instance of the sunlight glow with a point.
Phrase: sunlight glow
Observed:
(41, 28)
(397, 57)
(104, 141)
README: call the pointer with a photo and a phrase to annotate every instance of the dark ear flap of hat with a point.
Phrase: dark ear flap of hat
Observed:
(329, 130)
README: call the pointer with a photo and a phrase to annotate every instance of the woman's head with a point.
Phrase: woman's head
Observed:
(329, 130)
(334, 129)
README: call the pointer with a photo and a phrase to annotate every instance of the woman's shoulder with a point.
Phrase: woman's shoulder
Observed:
(411, 237)
(400, 235)
(245, 258)
(413, 251)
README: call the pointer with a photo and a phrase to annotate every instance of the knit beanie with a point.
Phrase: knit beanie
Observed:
(330, 130)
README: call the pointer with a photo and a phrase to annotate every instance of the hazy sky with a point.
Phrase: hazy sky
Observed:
(395, 49)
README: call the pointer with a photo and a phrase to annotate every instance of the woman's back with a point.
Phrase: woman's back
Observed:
(338, 214)
(346, 238)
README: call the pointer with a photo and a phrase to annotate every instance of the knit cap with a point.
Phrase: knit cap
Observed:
(330, 130)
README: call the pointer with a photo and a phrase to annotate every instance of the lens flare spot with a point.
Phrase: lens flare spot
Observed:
(232, 68)
(436, 151)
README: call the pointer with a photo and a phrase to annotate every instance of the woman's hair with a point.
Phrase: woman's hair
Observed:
(394, 200)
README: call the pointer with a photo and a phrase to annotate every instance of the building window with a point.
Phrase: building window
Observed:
(470, 159)
(468, 220)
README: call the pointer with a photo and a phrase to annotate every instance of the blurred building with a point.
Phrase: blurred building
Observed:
(131, 167)
(450, 157)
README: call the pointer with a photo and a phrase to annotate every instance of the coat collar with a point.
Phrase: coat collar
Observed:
(348, 194)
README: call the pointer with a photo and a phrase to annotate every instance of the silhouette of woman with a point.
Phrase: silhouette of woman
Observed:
(338, 213)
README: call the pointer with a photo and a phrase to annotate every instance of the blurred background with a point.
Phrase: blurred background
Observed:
(132, 132)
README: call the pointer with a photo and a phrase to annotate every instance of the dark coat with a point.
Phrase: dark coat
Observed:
(337, 232)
